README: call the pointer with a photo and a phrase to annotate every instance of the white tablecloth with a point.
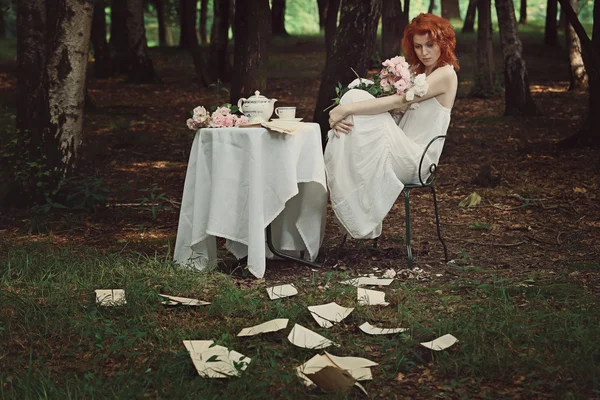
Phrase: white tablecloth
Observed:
(238, 181)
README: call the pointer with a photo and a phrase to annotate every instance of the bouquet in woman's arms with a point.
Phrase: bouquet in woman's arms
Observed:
(221, 117)
(396, 77)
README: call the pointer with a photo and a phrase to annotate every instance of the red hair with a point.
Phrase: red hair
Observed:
(440, 31)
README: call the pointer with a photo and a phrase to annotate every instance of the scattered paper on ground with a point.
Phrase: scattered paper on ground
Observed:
(302, 337)
(390, 273)
(471, 200)
(214, 361)
(368, 297)
(110, 297)
(331, 372)
(372, 330)
(441, 343)
(328, 314)
(269, 326)
(368, 280)
(277, 292)
(184, 301)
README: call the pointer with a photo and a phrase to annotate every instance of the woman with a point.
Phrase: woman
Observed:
(369, 157)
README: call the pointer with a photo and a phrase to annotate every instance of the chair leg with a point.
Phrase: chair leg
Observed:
(437, 222)
(406, 193)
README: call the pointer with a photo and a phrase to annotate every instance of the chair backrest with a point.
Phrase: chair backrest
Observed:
(432, 168)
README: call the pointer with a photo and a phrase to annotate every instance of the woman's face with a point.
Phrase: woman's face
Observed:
(427, 50)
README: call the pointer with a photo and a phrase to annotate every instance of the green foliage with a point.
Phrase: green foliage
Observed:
(154, 201)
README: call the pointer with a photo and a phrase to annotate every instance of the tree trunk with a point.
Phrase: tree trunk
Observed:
(331, 26)
(220, 67)
(202, 21)
(102, 62)
(578, 75)
(485, 71)
(278, 18)
(551, 28)
(469, 25)
(118, 37)
(52, 51)
(516, 81)
(431, 8)
(322, 5)
(252, 33)
(2, 23)
(187, 16)
(160, 15)
(355, 42)
(523, 13)
(450, 9)
(588, 135)
(141, 69)
(391, 22)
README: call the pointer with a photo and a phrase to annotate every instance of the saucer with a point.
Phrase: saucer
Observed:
(286, 119)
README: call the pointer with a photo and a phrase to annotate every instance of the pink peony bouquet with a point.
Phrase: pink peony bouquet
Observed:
(222, 117)
(396, 77)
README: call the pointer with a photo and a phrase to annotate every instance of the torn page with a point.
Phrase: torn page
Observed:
(214, 361)
(184, 301)
(269, 326)
(372, 330)
(368, 297)
(277, 292)
(110, 297)
(441, 343)
(368, 281)
(302, 337)
(328, 314)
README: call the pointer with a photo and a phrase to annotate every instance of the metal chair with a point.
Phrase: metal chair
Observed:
(422, 185)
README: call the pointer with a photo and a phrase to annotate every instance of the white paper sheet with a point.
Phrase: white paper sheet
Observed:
(372, 330)
(110, 297)
(368, 297)
(215, 361)
(441, 343)
(269, 326)
(184, 301)
(368, 280)
(328, 314)
(277, 292)
(303, 337)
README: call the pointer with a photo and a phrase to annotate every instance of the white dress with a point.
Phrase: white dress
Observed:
(367, 168)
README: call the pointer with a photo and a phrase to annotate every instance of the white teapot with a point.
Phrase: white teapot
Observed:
(257, 108)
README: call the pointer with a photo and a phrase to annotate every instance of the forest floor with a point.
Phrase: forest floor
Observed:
(520, 293)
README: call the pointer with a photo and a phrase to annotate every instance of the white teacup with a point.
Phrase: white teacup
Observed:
(286, 112)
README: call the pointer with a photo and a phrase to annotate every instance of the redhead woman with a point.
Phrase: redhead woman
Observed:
(369, 157)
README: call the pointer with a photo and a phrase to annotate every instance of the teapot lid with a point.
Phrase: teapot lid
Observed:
(257, 95)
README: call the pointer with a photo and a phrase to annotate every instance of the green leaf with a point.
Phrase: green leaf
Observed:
(471, 200)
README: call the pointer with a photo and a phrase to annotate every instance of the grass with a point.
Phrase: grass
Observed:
(59, 344)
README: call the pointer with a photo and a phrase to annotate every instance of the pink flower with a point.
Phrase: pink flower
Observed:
(191, 124)
(243, 120)
(230, 120)
(217, 120)
(224, 111)
(200, 112)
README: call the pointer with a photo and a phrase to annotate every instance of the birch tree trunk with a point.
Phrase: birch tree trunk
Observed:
(161, 17)
(52, 51)
(485, 71)
(523, 12)
(469, 25)
(450, 9)
(252, 34)
(331, 24)
(102, 62)
(141, 69)
(391, 23)
(551, 27)
(517, 94)
(202, 21)
(278, 18)
(578, 75)
(354, 44)
(220, 67)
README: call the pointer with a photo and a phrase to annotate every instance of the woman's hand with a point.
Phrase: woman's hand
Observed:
(337, 120)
